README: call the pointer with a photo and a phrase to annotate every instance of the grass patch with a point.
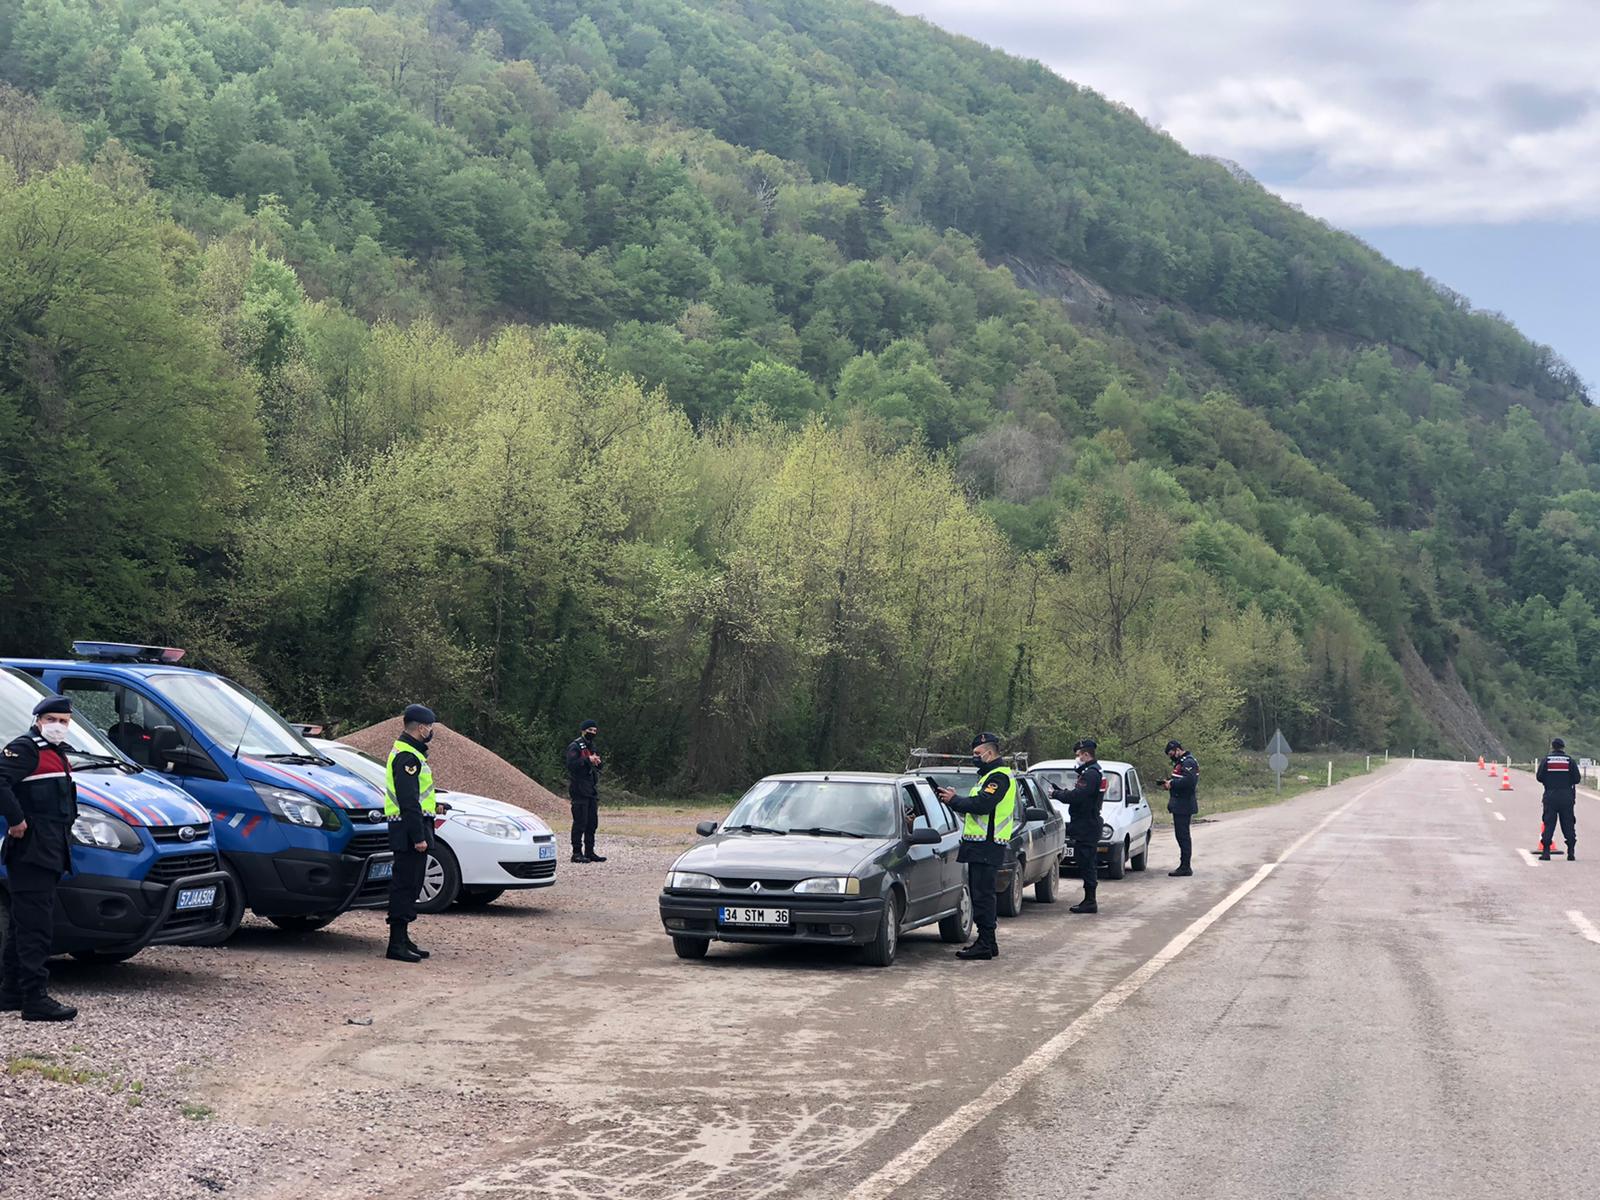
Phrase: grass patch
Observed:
(45, 1069)
(1254, 785)
(195, 1112)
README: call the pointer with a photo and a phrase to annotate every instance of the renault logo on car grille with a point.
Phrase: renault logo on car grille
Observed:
(186, 834)
(756, 886)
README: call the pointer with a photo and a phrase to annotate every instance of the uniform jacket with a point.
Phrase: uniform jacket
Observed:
(36, 786)
(583, 770)
(413, 825)
(993, 787)
(1083, 803)
(1185, 782)
(1559, 773)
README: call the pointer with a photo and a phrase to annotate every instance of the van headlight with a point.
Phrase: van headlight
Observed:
(296, 808)
(830, 885)
(104, 832)
(692, 881)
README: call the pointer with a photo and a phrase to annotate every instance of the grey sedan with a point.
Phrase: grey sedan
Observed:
(843, 859)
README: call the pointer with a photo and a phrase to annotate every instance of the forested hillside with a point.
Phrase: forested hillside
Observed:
(778, 383)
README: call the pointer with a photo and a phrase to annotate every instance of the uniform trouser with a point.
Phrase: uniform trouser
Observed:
(1560, 811)
(1180, 830)
(1086, 851)
(409, 867)
(585, 820)
(982, 881)
(28, 935)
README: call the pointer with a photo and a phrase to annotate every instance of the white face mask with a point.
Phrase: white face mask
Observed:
(55, 732)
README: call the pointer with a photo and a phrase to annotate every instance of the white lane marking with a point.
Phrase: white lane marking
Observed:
(913, 1160)
(1499, 816)
(1585, 926)
(1528, 858)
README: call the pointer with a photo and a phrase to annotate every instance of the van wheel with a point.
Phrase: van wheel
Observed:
(881, 951)
(691, 947)
(441, 880)
(957, 927)
(1117, 860)
(1010, 902)
(234, 916)
(1049, 885)
(302, 924)
(1141, 860)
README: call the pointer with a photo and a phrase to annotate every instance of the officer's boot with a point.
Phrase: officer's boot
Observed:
(981, 950)
(10, 996)
(592, 856)
(398, 949)
(1183, 869)
(38, 1006)
(1572, 851)
(412, 946)
(1087, 904)
(1544, 852)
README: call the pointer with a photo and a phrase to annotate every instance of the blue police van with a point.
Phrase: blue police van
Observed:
(145, 870)
(301, 839)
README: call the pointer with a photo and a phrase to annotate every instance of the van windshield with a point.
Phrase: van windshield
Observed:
(233, 718)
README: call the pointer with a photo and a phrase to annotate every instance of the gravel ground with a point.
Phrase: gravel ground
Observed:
(161, 1089)
(462, 765)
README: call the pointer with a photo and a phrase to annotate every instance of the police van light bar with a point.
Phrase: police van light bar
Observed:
(127, 652)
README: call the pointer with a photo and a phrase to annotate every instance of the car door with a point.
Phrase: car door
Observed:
(924, 868)
(1030, 834)
(953, 872)
(1138, 807)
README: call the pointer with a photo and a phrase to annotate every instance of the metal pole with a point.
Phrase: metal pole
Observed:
(1330, 772)
(1369, 762)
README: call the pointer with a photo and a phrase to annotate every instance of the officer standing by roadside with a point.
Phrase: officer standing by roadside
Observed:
(39, 803)
(410, 806)
(583, 788)
(1084, 821)
(1559, 773)
(989, 814)
(1182, 801)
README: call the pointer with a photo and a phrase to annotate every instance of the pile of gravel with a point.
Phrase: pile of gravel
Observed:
(462, 765)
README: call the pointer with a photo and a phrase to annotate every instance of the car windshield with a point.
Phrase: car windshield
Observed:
(232, 717)
(19, 693)
(817, 807)
(362, 766)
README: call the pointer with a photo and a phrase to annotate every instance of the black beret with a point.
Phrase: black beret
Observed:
(986, 739)
(419, 714)
(1174, 744)
(582, 725)
(1088, 744)
(1555, 743)
(52, 704)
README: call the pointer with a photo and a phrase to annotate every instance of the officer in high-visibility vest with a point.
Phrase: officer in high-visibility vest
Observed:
(410, 806)
(989, 815)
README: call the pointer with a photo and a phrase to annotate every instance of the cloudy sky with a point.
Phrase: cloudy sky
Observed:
(1458, 136)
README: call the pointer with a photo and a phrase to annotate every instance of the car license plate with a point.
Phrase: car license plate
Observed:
(1069, 853)
(197, 897)
(754, 916)
(547, 851)
(381, 870)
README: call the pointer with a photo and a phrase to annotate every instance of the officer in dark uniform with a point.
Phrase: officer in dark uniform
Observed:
(989, 813)
(1182, 801)
(1084, 821)
(410, 805)
(1559, 773)
(583, 788)
(39, 803)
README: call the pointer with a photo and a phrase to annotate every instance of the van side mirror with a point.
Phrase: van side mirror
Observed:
(924, 837)
(164, 739)
(706, 828)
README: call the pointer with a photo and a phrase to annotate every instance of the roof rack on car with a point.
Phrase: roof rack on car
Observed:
(127, 652)
(919, 759)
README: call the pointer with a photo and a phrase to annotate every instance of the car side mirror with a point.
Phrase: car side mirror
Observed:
(924, 837)
(706, 828)
(1036, 814)
(164, 739)
(1133, 799)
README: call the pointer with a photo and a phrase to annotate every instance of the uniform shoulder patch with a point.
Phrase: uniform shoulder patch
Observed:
(992, 786)
(10, 753)
(411, 770)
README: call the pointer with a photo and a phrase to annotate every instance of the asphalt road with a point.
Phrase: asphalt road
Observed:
(1366, 991)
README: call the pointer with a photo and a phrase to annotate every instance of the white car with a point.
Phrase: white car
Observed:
(1126, 822)
(482, 847)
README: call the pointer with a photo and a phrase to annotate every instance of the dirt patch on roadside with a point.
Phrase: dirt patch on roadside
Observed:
(462, 765)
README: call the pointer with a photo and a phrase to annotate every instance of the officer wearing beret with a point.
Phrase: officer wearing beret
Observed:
(410, 806)
(1559, 773)
(989, 813)
(583, 789)
(1083, 820)
(1182, 801)
(38, 802)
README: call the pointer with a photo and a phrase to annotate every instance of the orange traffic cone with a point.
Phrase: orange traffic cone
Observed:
(1491, 770)
(1505, 780)
(1480, 762)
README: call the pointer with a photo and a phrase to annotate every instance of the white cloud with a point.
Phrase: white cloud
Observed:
(1364, 112)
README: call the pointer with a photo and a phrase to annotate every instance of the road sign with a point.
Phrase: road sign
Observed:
(1279, 744)
(1278, 755)
(1278, 762)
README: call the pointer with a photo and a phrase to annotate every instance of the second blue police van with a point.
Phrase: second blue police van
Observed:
(301, 839)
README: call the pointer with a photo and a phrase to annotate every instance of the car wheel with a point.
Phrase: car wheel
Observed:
(1117, 860)
(957, 927)
(106, 957)
(880, 951)
(691, 947)
(1049, 885)
(235, 914)
(1010, 903)
(479, 897)
(441, 880)
(1141, 860)
(302, 924)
